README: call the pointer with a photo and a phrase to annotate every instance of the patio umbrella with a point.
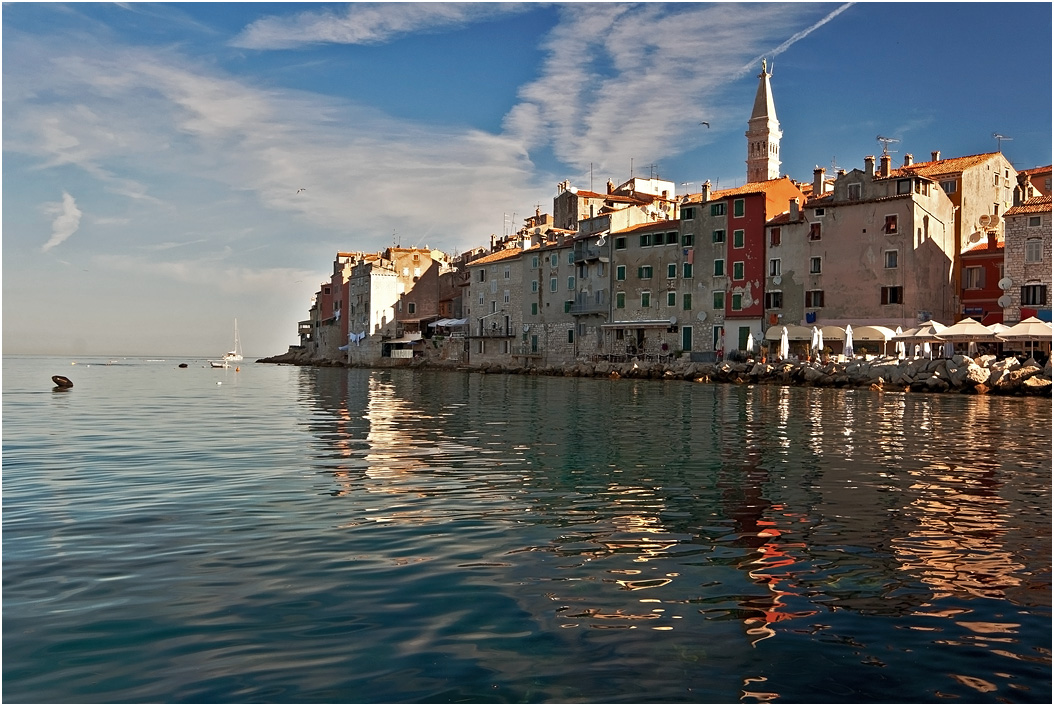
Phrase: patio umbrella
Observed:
(927, 351)
(965, 331)
(1031, 330)
(848, 350)
(784, 345)
(902, 349)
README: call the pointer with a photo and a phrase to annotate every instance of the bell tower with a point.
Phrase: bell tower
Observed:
(763, 133)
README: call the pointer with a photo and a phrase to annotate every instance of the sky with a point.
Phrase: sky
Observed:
(169, 168)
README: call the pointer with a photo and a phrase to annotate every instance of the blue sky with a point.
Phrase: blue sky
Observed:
(153, 153)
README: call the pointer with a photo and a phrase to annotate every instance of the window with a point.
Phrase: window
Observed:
(687, 213)
(773, 300)
(774, 268)
(853, 192)
(481, 300)
(645, 300)
(671, 270)
(534, 262)
(774, 236)
(534, 285)
(738, 207)
(719, 268)
(686, 270)
(644, 272)
(554, 260)
(570, 335)
(687, 301)
(570, 257)
(1034, 221)
(671, 298)
(620, 273)
(506, 297)
(973, 278)
(620, 243)
(820, 212)
(892, 295)
(620, 300)
(508, 272)
(737, 238)
(737, 302)
(719, 236)
(411, 308)
(738, 269)
(645, 240)
(482, 275)
(567, 307)
(719, 301)
(814, 231)
(949, 187)
(890, 226)
(717, 209)
(534, 308)
(671, 238)
(814, 298)
(570, 282)
(891, 257)
(553, 284)
(904, 186)
(688, 239)
(815, 265)
(1034, 295)
(1033, 250)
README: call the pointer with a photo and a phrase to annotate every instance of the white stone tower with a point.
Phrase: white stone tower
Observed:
(763, 133)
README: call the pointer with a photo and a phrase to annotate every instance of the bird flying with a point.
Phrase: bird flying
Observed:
(705, 123)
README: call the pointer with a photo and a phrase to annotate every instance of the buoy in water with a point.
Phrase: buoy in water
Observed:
(61, 381)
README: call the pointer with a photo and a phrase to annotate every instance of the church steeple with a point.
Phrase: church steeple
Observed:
(763, 133)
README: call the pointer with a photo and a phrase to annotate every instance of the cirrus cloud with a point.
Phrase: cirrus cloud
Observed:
(67, 221)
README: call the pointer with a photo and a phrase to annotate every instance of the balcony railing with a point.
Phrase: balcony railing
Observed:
(586, 251)
(590, 304)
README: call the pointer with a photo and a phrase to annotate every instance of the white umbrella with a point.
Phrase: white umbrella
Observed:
(848, 350)
(965, 331)
(927, 351)
(784, 345)
(1031, 330)
(902, 349)
(750, 343)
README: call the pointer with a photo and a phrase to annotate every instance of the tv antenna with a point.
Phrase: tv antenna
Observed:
(886, 141)
(999, 139)
(834, 165)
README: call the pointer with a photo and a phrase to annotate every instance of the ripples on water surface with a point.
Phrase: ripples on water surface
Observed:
(327, 535)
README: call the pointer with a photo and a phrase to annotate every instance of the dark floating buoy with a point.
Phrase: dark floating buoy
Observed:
(61, 381)
(182, 365)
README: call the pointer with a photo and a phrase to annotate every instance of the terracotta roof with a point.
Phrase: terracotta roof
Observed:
(955, 165)
(1035, 170)
(1037, 204)
(497, 257)
(754, 187)
(982, 246)
(648, 227)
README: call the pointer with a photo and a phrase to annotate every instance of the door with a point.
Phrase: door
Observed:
(686, 338)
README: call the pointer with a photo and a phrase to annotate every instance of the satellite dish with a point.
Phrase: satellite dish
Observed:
(984, 220)
(673, 321)
(777, 280)
(1004, 301)
(975, 236)
(526, 328)
(1006, 283)
(701, 316)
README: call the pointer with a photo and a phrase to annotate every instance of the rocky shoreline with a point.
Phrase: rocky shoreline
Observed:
(958, 374)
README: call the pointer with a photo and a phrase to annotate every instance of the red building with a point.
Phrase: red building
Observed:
(982, 269)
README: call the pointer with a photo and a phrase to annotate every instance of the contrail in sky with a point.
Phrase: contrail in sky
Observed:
(65, 224)
(795, 38)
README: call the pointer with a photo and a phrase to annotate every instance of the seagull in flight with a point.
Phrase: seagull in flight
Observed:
(705, 123)
(300, 189)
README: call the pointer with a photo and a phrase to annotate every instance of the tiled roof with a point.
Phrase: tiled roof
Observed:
(497, 257)
(1037, 204)
(955, 165)
(1035, 170)
(648, 227)
(982, 246)
(754, 187)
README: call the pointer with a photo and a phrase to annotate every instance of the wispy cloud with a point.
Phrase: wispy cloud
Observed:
(66, 223)
(366, 23)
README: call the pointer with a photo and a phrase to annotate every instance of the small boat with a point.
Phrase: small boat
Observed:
(61, 381)
(220, 363)
(234, 355)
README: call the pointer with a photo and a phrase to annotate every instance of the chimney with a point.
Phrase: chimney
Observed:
(611, 187)
(869, 165)
(935, 156)
(794, 209)
(908, 159)
(884, 164)
(706, 191)
(817, 181)
(992, 239)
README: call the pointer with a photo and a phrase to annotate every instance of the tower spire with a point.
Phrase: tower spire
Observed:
(763, 133)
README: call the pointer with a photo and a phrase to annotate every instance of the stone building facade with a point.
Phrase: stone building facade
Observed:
(1027, 261)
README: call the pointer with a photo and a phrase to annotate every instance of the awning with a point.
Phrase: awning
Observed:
(794, 333)
(449, 322)
(649, 323)
(406, 339)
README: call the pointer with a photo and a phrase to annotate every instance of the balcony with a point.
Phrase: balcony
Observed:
(588, 304)
(586, 251)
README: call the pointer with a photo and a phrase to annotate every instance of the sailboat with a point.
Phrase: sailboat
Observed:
(232, 356)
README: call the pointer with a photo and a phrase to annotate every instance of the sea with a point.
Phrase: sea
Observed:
(283, 534)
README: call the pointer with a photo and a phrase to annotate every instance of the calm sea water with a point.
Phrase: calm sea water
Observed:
(283, 534)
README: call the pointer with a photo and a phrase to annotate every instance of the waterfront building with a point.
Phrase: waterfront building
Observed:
(548, 324)
(493, 305)
(876, 250)
(982, 270)
(1027, 260)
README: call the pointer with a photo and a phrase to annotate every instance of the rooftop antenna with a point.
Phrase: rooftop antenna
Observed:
(834, 165)
(886, 142)
(999, 139)
(652, 168)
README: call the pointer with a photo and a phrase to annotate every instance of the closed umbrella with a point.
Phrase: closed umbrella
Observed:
(784, 344)
(848, 350)
(750, 343)
(902, 349)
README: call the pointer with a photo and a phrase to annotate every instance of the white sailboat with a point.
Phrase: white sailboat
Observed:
(232, 356)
